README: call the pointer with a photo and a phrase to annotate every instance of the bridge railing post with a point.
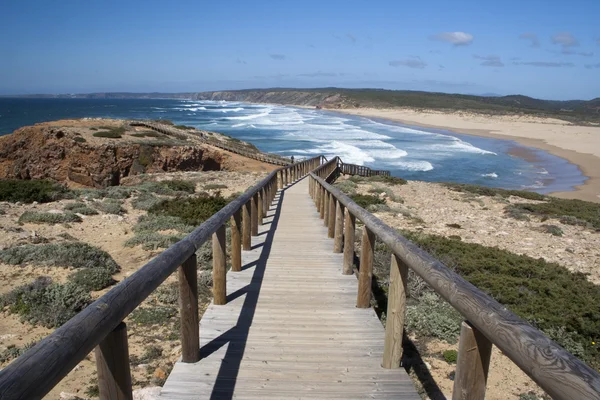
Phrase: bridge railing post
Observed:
(394, 326)
(326, 208)
(188, 303)
(219, 267)
(365, 276)
(112, 363)
(332, 216)
(339, 227)
(349, 228)
(236, 241)
(260, 206)
(247, 225)
(322, 205)
(472, 365)
(254, 214)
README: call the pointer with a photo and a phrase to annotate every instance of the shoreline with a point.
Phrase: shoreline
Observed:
(587, 163)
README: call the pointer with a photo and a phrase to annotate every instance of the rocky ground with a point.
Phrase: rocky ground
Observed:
(155, 345)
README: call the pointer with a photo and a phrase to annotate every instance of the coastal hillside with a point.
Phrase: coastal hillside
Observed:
(102, 152)
(336, 98)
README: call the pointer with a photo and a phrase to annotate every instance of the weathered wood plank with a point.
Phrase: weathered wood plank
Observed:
(290, 328)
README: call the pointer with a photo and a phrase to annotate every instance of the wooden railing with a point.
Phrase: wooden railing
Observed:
(360, 170)
(241, 150)
(487, 322)
(101, 325)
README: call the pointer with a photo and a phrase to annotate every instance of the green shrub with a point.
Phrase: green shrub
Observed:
(109, 206)
(377, 190)
(552, 229)
(145, 201)
(28, 191)
(92, 278)
(110, 132)
(118, 192)
(13, 352)
(214, 186)
(79, 139)
(455, 226)
(543, 293)
(572, 212)
(491, 192)
(168, 293)
(179, 185)
(450, 356)
(365, 200)
(517, 213)
(45, 303)
(152, 240)
(35, 217)
(347, 186)
(158, 315)
(433, 317)
(80, 208)
(192, 211)
(155, 223)
(151, 353)
(388, 180)
(76, 255)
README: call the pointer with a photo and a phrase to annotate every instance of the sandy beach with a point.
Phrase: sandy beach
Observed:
(579, 145)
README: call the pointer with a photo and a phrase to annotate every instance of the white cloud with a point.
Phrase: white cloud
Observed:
(565, 39)
(414, 62)
(532, 37)
(490, 61)
(590, 66)
(455, 38)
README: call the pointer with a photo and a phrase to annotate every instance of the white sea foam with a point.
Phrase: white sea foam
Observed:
(226, 110)
(456, 145)
(536, 185)
(413, 165)
(251, 116)
(490, 175)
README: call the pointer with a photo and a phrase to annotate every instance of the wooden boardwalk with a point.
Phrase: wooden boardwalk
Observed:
(290, 328)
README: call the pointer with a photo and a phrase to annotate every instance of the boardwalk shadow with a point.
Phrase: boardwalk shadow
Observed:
(237, 336)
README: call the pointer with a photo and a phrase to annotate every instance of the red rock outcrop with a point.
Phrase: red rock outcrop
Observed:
(41, 151)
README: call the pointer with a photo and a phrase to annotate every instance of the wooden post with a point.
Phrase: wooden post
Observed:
(254, 215)
(473, 364)
(218, 253)
(260, 206)
(349, 228)
(322, 205)
(339, 228)
(112, 363)
(318, 195)
(331, 221)
(246, 226)
(326, 208)
(236, 241)
(188, 306)
(394, 326)
(365, 276)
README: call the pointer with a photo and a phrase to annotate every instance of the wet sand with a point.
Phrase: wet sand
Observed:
(578, 145)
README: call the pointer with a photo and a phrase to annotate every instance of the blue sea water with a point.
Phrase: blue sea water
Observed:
(407, 151)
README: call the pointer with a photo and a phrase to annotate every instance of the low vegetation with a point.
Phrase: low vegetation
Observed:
(109, 206)
(193, 210)
(92, 278)
(451, 356)
(571, 212)
(561, 303)
(145, 201)
(80, 208)
(13, 352)
(110, 132)
(492, 192)
(366, 200)
(28, 191)
(46, 303)
(36, 217)
(70, 254)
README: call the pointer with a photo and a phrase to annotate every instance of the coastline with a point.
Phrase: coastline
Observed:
(565, 140)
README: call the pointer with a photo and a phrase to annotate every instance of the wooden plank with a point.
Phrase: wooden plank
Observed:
(290, 328)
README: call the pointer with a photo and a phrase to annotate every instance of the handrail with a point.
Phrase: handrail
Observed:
(354, 169)
(559, 373)
(37, 371)
(258, 155)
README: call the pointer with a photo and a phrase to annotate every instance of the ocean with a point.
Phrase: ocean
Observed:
(407, 151)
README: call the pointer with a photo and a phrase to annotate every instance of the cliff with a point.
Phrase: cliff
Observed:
(82, 153)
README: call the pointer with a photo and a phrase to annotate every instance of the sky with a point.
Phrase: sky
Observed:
(541, 48)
